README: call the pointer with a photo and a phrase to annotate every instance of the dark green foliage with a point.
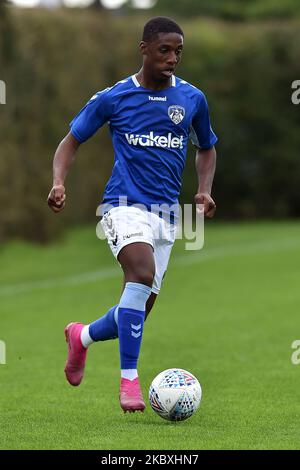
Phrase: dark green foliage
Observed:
(53, 61)
(247, 73)
(231, 9)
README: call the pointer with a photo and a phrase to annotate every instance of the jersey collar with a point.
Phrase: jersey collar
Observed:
(137, 84)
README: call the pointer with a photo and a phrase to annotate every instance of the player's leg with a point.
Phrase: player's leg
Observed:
(136, 261)
(138, 265)
(162, 247)
(106, 328)
(123, 226)
(79, 336)
(150, 302)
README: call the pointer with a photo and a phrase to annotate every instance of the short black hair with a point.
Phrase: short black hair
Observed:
(160, 24)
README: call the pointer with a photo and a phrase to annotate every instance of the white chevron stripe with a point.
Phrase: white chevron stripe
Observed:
(136, 327)
(136, 335)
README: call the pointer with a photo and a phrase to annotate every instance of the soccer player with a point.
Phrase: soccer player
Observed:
(151, 115)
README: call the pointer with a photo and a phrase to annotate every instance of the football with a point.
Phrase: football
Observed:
(175, 394)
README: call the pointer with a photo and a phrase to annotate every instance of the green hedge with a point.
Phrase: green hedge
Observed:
(236, 10)
(53, 61)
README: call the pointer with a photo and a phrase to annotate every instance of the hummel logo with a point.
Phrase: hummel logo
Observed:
(157, 98)
(136, 234)
(136, 328)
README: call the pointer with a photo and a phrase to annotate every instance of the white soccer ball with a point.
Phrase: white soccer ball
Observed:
(175, 394)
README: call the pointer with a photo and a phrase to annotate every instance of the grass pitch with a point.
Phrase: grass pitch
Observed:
(228, 314)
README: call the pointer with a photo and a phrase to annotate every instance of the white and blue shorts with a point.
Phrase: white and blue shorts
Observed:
(123, 225)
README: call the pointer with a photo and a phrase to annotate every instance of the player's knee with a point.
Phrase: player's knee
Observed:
(146, 278)
(143, 276)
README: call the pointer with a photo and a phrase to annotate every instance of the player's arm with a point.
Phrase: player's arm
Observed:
(90, 118)
(63, 158)
(205, 168)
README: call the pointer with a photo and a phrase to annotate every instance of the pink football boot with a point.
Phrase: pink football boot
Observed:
(76, 354)
(131, 398)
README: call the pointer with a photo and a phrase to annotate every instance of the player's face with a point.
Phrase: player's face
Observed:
(162, 55)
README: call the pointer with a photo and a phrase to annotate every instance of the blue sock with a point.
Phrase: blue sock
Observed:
(105, 327)
(131, 315)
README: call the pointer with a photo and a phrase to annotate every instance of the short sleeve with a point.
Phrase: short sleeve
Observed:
(92, 116)
(201, 132)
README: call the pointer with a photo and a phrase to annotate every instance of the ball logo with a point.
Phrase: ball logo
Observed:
(176, 113)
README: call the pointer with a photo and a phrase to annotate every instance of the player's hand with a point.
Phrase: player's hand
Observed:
(208, 204)
(57, 198)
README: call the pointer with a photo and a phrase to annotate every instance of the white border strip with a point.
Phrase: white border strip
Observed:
(186, 259)
(135, 81)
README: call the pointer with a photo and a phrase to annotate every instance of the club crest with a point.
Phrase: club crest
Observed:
(176, 113)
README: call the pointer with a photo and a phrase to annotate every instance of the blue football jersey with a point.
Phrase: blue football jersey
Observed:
(150, 132)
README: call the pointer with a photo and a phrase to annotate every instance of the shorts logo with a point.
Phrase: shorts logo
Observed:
(136, 234)
(176, 113)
